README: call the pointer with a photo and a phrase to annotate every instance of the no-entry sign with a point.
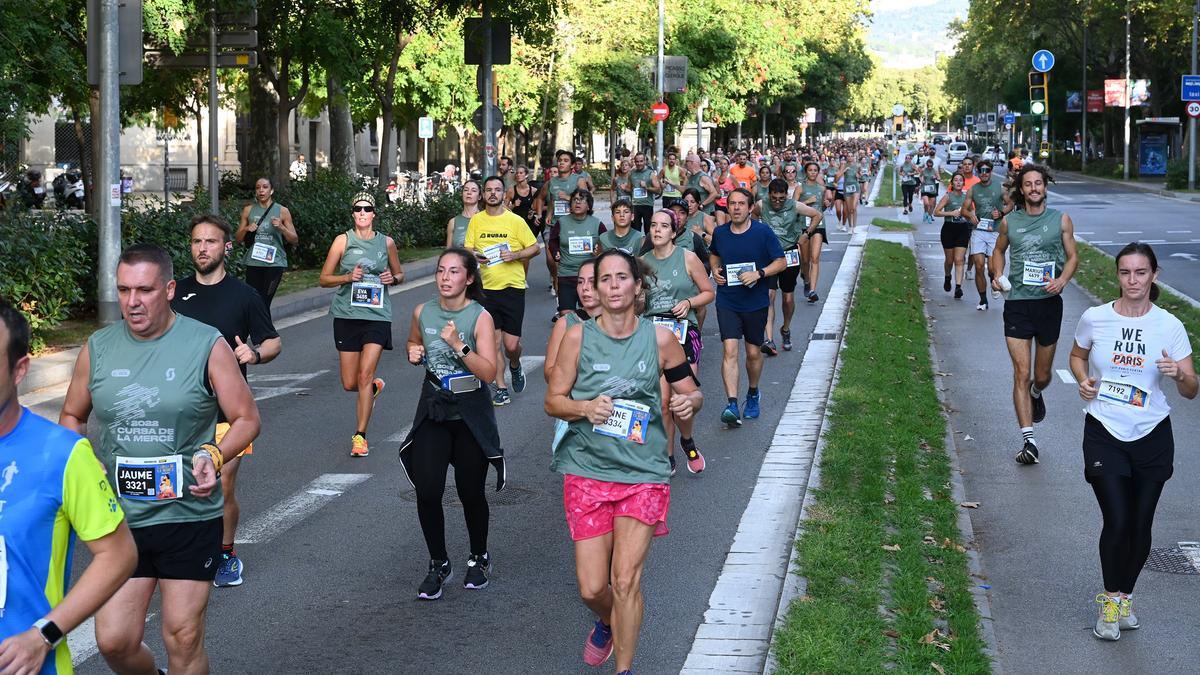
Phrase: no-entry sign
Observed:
(659, 111)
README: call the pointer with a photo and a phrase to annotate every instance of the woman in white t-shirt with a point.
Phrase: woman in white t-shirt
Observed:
(1124, 352)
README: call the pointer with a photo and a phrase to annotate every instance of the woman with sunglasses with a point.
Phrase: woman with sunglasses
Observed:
(361, 265)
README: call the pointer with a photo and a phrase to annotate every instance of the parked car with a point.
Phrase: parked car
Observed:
(957, 152)
(941, 139)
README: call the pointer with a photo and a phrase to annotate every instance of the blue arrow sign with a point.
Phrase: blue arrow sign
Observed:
(1190, 89)
(1043, 60)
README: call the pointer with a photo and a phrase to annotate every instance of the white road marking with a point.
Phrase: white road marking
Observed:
(1190, 257)
(1100, 241)
(1129, 231)
(324, 311)
(1082, 232)
(292, 379)
(82, 640)
(1059, 197)
(1066, 376)
(1179, 231)
(398, 437)
(531, 363)
(306, 501)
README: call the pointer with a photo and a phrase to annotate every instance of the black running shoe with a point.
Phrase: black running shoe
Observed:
(958, 293)
(813, 297)
(478, 567)
(1039, 407)
(787, 338)
(769, 348)
(946, 284)
(1028, 454)
(431, 588)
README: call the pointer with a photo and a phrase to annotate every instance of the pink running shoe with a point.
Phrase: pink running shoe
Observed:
(599, 645)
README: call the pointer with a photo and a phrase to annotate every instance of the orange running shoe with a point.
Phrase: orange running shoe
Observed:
(358, 447)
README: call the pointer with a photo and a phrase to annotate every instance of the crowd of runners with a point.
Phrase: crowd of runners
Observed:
(721, 233)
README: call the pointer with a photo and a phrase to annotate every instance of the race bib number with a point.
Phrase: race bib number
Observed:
(792, 257)
(732, 270)
(492, 253)
(628, 421)
(639, 193)
(561, 207)
(850, 189)
(930, 190)
(1123, 393)
(579, 245)
(679, 328)
(1037, 274)
(262, 253)
(366, 293)
(149, 479)
(986, 224)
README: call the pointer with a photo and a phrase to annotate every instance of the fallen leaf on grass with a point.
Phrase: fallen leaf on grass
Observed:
(892, 634)
(930, 637)
(969, 505)
(937, 605)
(944, 646)
(938, 668)
(891, 547)
(930, 540)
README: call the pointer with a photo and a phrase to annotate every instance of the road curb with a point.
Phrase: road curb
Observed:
(755, 581)
(56, 369)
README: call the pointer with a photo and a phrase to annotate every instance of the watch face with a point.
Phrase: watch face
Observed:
(51, 632)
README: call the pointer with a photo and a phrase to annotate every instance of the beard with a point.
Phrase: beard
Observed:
(213, 264)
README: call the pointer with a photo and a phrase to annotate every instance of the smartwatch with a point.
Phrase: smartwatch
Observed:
(466, 349)
(257, 356)
(51, 633)
(762, 274)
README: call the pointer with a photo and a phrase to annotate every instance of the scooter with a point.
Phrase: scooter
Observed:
(68, 190)
(31, 190)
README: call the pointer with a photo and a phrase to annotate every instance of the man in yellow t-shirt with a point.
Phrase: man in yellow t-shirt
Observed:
(502, 242)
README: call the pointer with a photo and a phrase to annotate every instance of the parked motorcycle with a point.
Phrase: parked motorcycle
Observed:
(31, 191)
(68, 190)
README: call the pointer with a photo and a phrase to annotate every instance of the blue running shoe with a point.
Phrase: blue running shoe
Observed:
(730, 415)
(230, 571)
(751, 409)
(517, 375)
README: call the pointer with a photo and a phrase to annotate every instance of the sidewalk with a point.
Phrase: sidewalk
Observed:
(1037, 527)
(55, 369)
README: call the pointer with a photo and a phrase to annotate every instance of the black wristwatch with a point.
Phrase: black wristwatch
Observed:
(257, 356)
(51, 633)
(466, 349)
(762, 274)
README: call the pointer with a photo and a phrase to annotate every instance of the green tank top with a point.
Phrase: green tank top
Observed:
(671, 284)
(583, 234)
(641, 181)
(954, 202)
(631, 243)
(440, 359)
(693, 181)
(987, 198)
(459, 236)
(851, 176)
(627, 370)
(559, 206)
(785, 222)
(695, 222)
(761, 192)
(1036, 253)
(266, 249)
(812, 194)
(368, 298)
(674, 179)
(830, 175)
(153, 401)
(686, 241)
(623, 186)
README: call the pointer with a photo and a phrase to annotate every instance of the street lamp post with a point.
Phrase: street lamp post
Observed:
(658, 137)
(109, 167)
(1083, 129)
(1128, 7)
(1192, 120)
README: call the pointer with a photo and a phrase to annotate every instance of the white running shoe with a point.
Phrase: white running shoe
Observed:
(1107, 624)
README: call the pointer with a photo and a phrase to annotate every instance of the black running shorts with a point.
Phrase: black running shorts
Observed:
(349, 335)
(507, 307)
(738, 325)
(1151, 457)
(956, 235)
(568, 294)
(189, 551)
(1039, 319)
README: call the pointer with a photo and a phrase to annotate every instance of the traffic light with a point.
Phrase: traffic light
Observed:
(1039, 83)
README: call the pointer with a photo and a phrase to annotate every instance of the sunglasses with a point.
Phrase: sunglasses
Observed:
(985, 169)
(360, 209)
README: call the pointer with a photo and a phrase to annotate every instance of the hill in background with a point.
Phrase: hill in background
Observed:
(908, 33)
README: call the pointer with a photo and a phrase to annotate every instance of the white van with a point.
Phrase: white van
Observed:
(956, 152)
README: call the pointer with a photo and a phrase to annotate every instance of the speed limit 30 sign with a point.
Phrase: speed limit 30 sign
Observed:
(1193, 108)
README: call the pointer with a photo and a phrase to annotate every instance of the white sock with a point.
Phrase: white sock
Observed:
(1027, 435)
(1034, 391)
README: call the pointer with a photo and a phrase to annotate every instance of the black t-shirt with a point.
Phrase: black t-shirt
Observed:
(229, 305)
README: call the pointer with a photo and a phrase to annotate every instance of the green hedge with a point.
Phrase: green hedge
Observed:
(48, 258)
(1177, 174)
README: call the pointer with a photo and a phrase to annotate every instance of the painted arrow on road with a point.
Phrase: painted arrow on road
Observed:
(1190, 257)
(288, 383)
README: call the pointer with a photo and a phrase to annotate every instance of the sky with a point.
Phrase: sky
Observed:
(908, 33)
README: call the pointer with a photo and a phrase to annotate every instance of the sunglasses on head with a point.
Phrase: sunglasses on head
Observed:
(365, 208)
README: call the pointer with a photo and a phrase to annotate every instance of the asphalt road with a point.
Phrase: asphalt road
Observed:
(331, 578)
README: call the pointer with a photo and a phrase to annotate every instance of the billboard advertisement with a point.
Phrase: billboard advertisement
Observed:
(1074, 101)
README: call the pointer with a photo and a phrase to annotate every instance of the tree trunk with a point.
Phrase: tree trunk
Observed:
(341, 129)
(388, 115)
(386, 93)
(260, 155)
(540, 135)
(199, 149)
(462, 151)
(283, 114)
(612, 149)
(564, 128)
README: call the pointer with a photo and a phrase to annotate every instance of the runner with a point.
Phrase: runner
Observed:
(839, 195)
(271, 225)
(908, 182)
(455, 423)
(456, 228)
(622, 185)
(361, 264)
(956, 233)
(589, 307)
(985, 205)
(787, 218)
(645, 185)
(572, 241)
(864, 176)
(743, 175)
(520, 199)
(967, 168)
(505, 168)
(155, 382)
(214, 297)
(811, 193)
(671, 179)
(616, 489)
(762, 185)
(791, 177)
(622, 236)
(553, 202)
(585, 178)
(851, 187)
(725, 185)
(930, 182)
(743, 253)
(1043, 246)
(501, 242)
(54, 490)
(678, 287)
(1128, 445)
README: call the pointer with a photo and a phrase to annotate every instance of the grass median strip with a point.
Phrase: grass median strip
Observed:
(891, 225)
(887, 577)
(884, 198)
(1097, 273)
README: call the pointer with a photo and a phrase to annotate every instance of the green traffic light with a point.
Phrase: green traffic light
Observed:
(1037, 107)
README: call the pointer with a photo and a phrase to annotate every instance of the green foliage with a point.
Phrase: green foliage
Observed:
(1109, 167)
(1177, 174)
(45, 264)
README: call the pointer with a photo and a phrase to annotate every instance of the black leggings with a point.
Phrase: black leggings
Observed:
(265, 280)
(641, 218)
(908, 191)
(437, 445)
(1128, 506)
